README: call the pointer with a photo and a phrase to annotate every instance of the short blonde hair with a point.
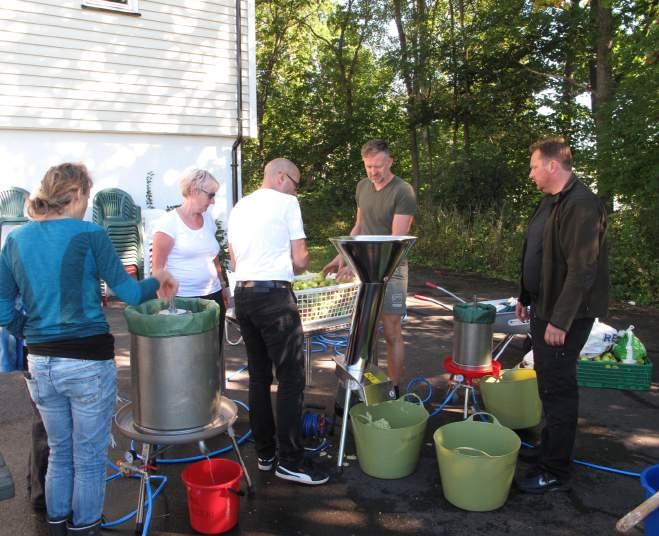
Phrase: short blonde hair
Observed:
(373, 147)
(196, 179)
(58, 188)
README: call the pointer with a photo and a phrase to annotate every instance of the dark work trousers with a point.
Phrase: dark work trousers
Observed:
(272, 330)
(217, 298)
(37, 463)
(556, 368)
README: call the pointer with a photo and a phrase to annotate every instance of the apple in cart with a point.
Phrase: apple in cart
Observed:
(317, 281)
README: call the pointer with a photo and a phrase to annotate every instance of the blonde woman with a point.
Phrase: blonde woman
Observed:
(55, 263)
(184, 242)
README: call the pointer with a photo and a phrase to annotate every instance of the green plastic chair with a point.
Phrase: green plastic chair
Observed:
(12, 202)
(114, 206)
(115, 211)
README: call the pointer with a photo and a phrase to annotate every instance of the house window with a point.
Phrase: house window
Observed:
(123, 6)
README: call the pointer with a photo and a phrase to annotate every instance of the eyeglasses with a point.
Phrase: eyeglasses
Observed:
(211, 195)
(296, 183)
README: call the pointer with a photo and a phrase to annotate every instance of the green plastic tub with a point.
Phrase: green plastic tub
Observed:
(513, 398)
(476, 462)
(388, 437)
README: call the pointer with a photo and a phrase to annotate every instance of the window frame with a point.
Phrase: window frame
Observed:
(130, 7)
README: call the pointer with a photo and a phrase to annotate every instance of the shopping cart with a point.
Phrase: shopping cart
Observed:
(322, 310)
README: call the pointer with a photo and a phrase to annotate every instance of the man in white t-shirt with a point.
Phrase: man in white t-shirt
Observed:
(267, 246)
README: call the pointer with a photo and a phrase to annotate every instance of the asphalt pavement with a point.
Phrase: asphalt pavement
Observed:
(617, 429)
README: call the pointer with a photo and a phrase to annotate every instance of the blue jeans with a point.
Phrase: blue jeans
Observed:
(75, 398)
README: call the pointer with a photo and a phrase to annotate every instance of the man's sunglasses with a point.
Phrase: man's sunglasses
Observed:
(297, 184)
(211, 195)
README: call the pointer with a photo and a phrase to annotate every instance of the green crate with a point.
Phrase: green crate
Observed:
(614, 375)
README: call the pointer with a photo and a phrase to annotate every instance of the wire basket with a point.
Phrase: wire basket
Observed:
(327, 303)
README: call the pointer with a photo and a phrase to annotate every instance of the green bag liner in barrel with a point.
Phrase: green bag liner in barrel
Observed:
(474, 313)
(146, 320)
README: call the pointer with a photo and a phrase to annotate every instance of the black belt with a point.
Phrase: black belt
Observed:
(263, 284)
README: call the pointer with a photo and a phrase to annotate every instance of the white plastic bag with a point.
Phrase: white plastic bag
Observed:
(601, 339)
(527, 360)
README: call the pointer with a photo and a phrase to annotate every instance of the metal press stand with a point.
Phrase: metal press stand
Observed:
(223, 423)
(463, 378)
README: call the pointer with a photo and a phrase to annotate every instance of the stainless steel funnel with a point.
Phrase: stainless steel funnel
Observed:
(374, 259)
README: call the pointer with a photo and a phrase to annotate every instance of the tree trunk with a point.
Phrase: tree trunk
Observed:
(602, 91)
(406, 65)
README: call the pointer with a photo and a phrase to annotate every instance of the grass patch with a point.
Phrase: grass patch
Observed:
(321, 223)
(488, 242)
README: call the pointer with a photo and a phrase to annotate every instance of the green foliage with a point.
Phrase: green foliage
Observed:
(221, 237)
(633, 262)
(490, 242)
(321, 222)
(633, 140)
(460, 90)
(487, 242)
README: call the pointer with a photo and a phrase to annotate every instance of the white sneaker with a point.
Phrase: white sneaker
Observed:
(301, 475)
(266, 464)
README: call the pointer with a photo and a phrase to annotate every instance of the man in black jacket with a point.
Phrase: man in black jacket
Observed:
(564, 287)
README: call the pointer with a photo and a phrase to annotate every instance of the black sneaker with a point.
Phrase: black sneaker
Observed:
(266, 464)
(541, 483)
(302, 475)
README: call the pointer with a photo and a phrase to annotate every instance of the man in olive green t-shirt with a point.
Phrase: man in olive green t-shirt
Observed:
(385, 206)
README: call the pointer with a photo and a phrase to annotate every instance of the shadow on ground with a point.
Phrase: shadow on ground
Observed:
(617, 429)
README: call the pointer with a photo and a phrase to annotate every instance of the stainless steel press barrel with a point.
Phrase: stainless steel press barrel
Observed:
(175, 366)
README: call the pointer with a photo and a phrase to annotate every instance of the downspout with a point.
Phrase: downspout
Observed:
(239, 101)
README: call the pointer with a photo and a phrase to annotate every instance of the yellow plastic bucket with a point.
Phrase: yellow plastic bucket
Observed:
(476, 462)
(513, 398)
(388, 437)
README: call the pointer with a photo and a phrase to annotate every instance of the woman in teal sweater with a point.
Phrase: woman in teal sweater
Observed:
(55, 263)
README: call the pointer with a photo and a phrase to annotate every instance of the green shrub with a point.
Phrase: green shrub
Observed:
(487, 242)
(633, 259)
(490, 242)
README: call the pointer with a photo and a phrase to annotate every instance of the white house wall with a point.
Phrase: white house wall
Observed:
(171, 70)
(119, 160)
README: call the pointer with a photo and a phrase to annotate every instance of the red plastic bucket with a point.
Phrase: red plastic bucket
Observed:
(213, 494)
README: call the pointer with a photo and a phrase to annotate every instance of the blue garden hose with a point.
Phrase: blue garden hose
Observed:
(421, 379)
(191, 459)
(149, 502)
(152, 495)
(595, 466)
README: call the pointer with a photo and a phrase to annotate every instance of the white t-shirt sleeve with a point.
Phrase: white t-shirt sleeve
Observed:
(294, 220)
(190, 260)
(167, 224)
(231, 226)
